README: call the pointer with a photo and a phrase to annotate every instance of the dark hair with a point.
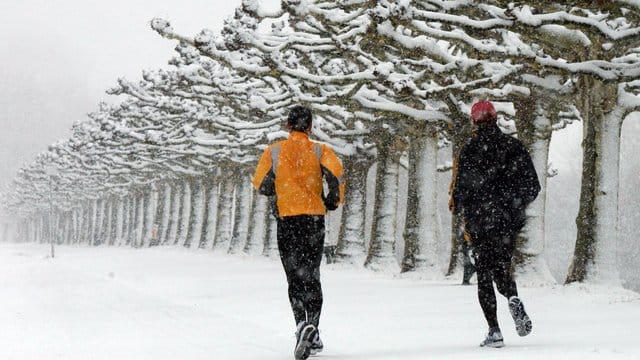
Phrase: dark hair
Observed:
(299, 118)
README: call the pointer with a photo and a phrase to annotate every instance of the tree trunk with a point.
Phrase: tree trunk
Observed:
(271, 231)
(70, 227)
(157, 199)
(109, 222)
(27, 233)
(135, 220)
(53, 219)
(93, 233)
(34, 230)
(601, 141)
(123, 221)
(30, 230)
(224, 215)
(85, 223)
(66, 239)
(22, 231)
(606, 202)
(67, 228)
(197, 212)
(60, 226)
(174, 208)
(128, 220)
(535, 133)
(73, 236)
(81, 224)
(258, 225)
(98, 217)
(41, 229)
(104, 220)
(54, 226)
(421, 229)
(116, 234)
(44, 229)
(456, 256)
(209, 217)
(185, 213)
(176, 211)
(140, 215)
(350, 248)
(151, 203)
(242, 212)
(37, 229)
(51, 227)
(383, 234)
(163, 212)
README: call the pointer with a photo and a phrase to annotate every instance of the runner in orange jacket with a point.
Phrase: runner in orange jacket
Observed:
(292, 171)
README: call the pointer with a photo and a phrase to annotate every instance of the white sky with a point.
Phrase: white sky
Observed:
(58, 58)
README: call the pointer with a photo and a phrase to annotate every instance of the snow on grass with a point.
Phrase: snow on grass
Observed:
(173, 303)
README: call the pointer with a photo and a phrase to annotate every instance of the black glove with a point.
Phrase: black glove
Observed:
(330, 204)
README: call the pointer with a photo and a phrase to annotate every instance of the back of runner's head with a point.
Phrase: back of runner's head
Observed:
(299, 119)
(483, 112)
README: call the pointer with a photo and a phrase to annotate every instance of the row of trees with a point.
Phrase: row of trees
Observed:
(171, 162)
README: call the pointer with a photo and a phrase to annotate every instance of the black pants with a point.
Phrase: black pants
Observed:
(300, 242)
(493, 264)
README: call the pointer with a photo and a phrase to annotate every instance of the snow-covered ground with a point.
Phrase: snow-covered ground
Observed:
(170, 303)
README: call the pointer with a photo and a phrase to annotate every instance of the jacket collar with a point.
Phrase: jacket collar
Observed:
(298, 135)
(487, 130)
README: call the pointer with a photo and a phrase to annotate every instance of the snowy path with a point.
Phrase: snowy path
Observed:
(168, 303)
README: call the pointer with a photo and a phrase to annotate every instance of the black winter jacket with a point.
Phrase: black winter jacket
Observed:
(495, 182)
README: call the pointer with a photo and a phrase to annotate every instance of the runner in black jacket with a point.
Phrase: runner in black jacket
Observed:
(495, 182)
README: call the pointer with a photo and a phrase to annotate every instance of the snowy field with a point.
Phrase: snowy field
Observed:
(170, 303)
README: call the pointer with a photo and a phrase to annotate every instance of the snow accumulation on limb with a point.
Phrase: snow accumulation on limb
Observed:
(525, 15)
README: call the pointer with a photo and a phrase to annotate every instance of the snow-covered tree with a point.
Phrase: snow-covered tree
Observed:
(384, 78)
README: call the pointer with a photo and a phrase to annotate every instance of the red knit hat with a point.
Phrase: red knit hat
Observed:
(483, 111)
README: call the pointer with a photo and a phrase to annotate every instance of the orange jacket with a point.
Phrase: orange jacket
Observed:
(293, 169)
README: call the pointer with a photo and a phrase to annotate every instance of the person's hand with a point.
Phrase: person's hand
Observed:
(330, 205)
(330, 202)
(467, 236)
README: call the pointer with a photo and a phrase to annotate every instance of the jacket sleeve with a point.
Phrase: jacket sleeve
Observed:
(333, 173)
(528, 183)
(264, 177)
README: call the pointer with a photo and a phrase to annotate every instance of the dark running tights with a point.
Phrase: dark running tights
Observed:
(300, 242)
(493, 264)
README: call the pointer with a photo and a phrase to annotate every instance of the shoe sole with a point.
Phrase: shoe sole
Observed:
(524, 326)
(303, 347)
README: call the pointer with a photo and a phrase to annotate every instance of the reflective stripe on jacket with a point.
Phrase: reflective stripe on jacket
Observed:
(293, 170)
